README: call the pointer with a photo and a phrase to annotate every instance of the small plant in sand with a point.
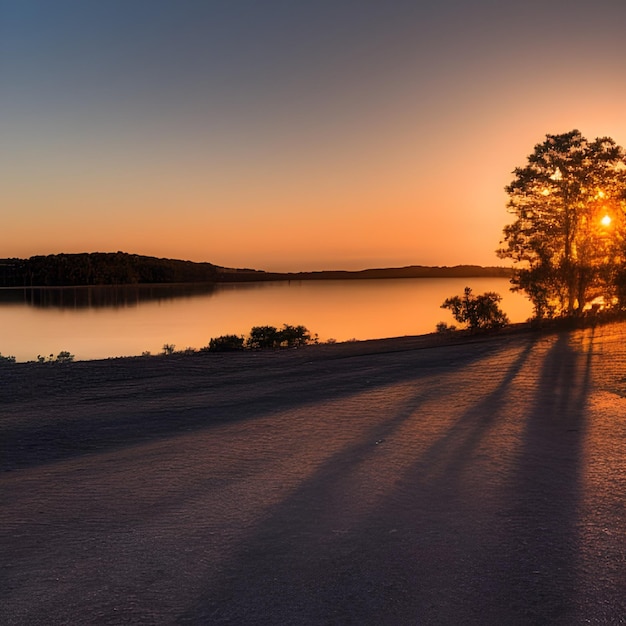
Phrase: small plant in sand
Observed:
(444, 328)
(63, 357)
(168, 349)
(6, 359)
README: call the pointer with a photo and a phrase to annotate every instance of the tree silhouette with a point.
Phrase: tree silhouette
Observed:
(477, 312)
(568, 237)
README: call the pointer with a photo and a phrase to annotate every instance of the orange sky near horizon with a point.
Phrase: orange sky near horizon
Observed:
(287, 139)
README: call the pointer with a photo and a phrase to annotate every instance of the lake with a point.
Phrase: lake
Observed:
(102, 322)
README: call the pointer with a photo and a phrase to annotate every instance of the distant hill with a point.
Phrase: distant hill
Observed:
(101, 268)
(121, 268)
(411, 271)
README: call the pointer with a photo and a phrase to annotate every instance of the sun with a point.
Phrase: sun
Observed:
(606, 220)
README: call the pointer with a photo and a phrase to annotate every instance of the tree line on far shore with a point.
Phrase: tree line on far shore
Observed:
(121, 268)
(101, 268)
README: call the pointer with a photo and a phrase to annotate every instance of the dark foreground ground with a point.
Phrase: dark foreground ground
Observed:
(373, 483)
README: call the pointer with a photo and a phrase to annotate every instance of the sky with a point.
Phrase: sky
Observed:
(288, 135)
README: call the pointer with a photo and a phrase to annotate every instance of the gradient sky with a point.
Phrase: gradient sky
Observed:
(290, 135)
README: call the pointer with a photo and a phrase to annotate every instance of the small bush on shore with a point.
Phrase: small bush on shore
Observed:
(63, 357)
(288, 337)
(6, 359)
(443, 328)
(226, 343)
(294, 336)
(477, 312)
(263, 337)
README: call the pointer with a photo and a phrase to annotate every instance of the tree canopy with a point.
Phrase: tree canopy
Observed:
(568, 238)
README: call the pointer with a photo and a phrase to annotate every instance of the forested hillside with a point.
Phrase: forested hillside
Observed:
(121, 268)
(100, 268)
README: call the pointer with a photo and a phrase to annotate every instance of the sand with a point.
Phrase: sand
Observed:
(407, 481)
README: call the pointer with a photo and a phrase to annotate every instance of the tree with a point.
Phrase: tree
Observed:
(567, 241)
(477, 312)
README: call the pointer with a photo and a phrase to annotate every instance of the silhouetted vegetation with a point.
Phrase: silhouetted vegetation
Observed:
(568, 238)
(6, 359)
(443, 328)
(99, 268)
(263, 338)
(294, 336)
(63, 357)
(226, 343)
(476, 312)
(121, 268)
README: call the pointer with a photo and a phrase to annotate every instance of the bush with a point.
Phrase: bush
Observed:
(263, 337)
(294, 336)
(270, 337)
(168, 348)
(225, 343)
(6, 359)
(443, 328)
(63, 357)
(477, 312)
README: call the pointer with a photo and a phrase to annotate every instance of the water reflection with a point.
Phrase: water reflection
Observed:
(101, 296)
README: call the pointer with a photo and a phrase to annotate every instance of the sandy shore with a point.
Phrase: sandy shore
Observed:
(407, 481)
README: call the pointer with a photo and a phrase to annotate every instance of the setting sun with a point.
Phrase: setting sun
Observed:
(606, 220)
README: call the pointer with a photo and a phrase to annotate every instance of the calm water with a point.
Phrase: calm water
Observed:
(100, 322)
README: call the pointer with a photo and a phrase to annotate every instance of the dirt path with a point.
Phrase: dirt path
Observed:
(379, 483)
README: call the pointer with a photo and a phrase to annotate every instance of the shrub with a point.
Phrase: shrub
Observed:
(294, 336)
(477, 312)
(263, 337)
(226, 343)
(443, 328)
(6, 359)
(168, 348)
(64, 357)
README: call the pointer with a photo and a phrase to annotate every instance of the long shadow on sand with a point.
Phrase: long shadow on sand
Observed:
(81, 421)
(538, 573)
(312, 560)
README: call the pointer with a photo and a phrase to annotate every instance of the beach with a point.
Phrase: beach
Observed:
(421, 480)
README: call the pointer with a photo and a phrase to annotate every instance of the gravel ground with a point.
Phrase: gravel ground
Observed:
(405, 481)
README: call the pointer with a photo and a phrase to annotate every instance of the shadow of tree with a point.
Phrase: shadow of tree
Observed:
(311, 561)
(538, 575)
(192, 396)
